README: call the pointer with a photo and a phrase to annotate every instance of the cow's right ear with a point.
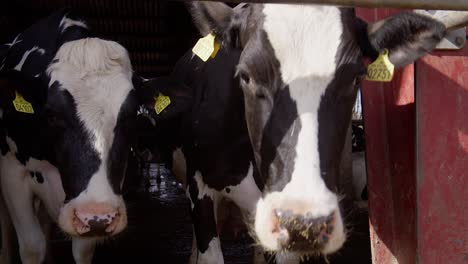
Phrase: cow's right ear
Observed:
(165, 97)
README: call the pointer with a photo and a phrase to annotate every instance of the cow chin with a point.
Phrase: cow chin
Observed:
(82, 217)
(287, 223)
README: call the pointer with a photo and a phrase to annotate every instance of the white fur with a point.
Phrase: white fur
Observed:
(287, 258)
(204, 189)
(83, 250)
(14, 42)
(179, 166)
(18, 197)
(11, 145)
(8, 233)
(50, 192)
(306, 41)
(68, 22)
(212, 255)
(305, 38)
(97, 73)
(26, 54)
(246, 193)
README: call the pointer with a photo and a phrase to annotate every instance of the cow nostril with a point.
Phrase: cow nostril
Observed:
(93, 223)
(304, 232)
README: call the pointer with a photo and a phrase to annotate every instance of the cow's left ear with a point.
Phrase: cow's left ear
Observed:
(164, 96)
(407, 36)
(224, 22)
(33, 89)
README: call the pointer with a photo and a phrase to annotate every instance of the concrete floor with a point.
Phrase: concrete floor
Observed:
(159, 231)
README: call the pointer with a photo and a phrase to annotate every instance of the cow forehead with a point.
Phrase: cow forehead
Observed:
(100, 90)
(305, 39)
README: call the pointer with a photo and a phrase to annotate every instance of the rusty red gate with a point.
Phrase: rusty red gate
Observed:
(417, 159)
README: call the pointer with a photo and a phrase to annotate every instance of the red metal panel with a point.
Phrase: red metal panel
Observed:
(442, 108)
(389, 116)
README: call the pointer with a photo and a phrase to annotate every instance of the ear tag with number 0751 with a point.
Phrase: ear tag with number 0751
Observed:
(381, 70)
(162, 102)
(206, 47)
(21, 105)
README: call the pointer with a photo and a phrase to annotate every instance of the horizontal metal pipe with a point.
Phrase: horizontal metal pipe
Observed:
(404, 4)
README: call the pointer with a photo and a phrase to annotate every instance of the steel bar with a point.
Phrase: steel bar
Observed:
(404, 4)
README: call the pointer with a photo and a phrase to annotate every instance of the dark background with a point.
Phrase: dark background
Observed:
(156, 33)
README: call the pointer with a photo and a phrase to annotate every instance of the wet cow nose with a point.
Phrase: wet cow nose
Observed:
(95, 220)
(298, 232)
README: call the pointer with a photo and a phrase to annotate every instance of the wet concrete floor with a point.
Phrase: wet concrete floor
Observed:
(159, 231)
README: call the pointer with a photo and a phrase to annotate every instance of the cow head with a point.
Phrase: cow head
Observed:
(91, 110)
(299, 71)
(85, 103)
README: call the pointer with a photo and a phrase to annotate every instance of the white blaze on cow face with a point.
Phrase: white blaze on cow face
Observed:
(97, 74)
(306, 41)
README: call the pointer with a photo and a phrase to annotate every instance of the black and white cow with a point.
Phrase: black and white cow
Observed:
(270, 113)
(71, 153)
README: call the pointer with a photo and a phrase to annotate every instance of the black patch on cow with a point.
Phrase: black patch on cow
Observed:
(334, 114)
(3, 144)
(39, 177)
(124, 134)
(97, 227)
(73, 153)
(276, 151)
(228, 190)
(215, 139)
(45, 35)
(358, 139)
(54, 132)
(203, 217)
(74, 32)
(364, 194)
(271, 113)
(19, 126)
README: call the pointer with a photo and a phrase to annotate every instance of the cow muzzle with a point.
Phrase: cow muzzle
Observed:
(93, 219)
(297, 232)
(284, 223)
(99, 219)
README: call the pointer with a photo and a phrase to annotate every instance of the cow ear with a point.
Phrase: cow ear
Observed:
(163, 97)
(220, 19)
(32, 89)
(211, 17)
(407, 36)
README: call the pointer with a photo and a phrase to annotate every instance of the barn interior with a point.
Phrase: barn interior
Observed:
(156, 34)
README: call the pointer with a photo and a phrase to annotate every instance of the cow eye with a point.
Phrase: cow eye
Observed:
(244, 78)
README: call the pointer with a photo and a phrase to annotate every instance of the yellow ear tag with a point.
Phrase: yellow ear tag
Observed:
(21, 105)
(161, 103)
(206, 47)
(381, 70)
